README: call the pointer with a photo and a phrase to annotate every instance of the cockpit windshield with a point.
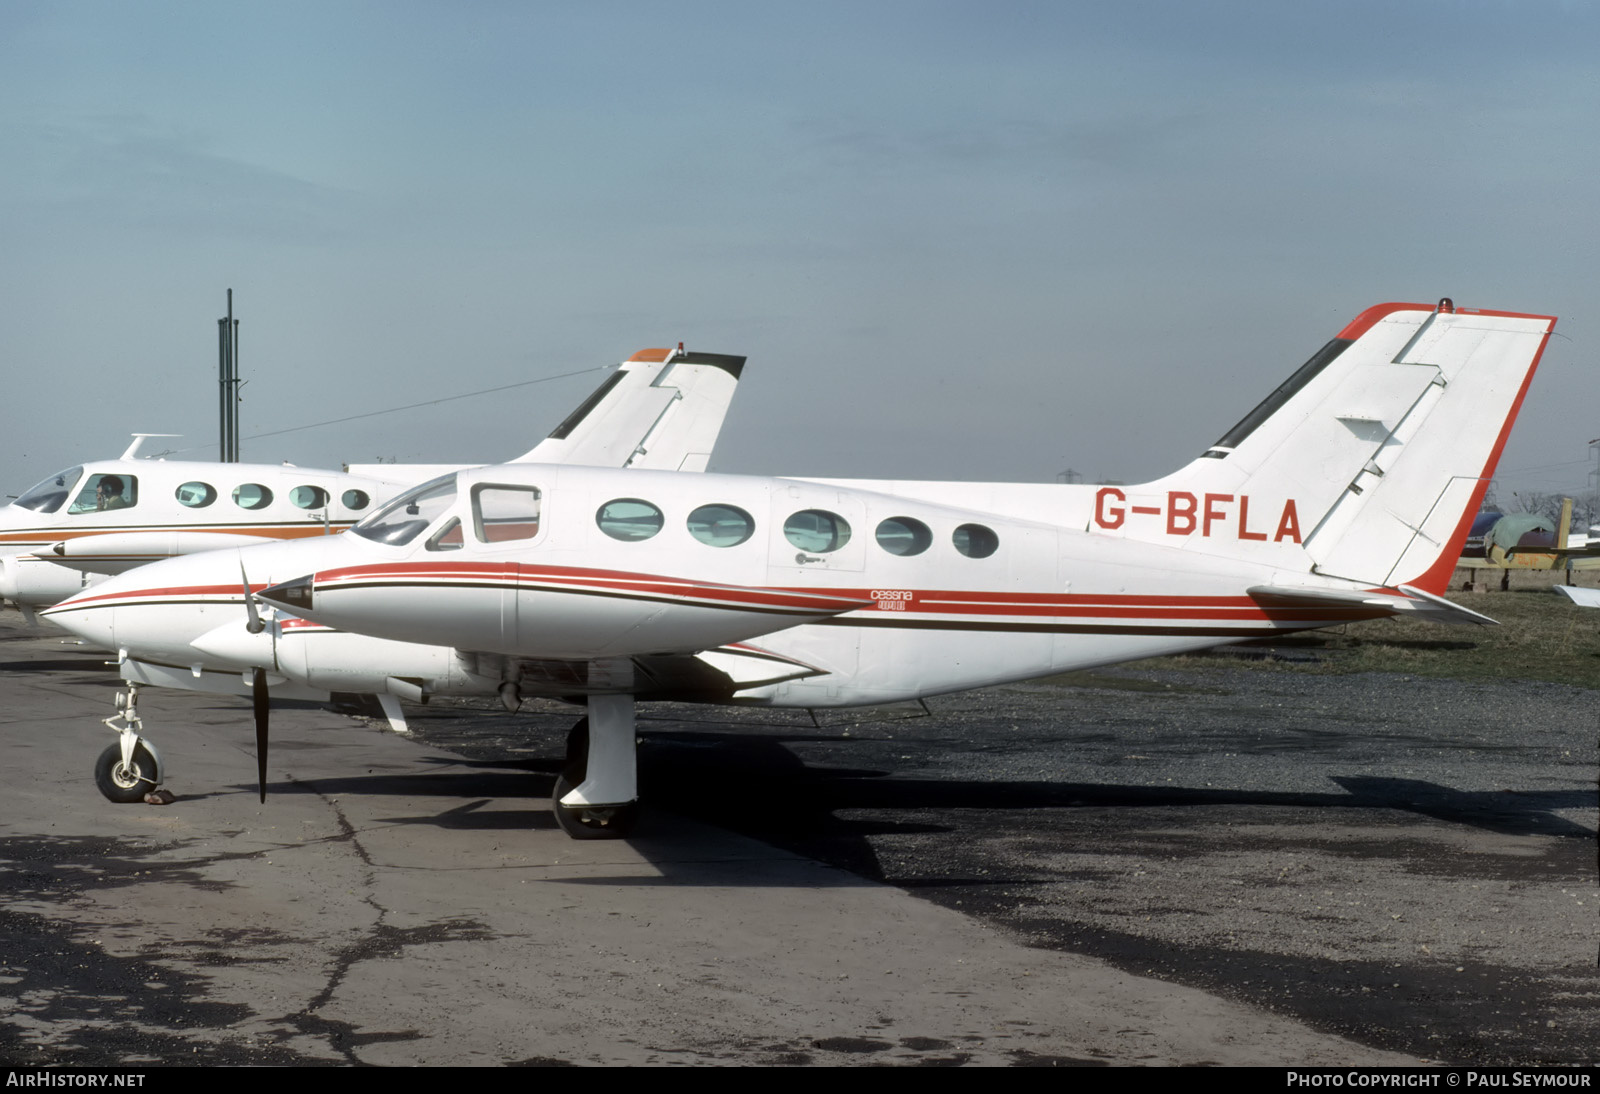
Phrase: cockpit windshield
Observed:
(404, 518)
(50, 494)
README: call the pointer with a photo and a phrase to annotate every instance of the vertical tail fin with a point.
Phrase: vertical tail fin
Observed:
(663, 410)
(1369, 463)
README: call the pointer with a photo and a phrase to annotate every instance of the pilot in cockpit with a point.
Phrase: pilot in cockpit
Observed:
(105, 492)
(108, 493)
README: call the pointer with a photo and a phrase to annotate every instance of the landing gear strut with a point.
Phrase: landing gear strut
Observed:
(597, 793)
(128, 770)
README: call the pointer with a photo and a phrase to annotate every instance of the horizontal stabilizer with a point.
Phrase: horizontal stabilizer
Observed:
(749, 667)
(1416, 603)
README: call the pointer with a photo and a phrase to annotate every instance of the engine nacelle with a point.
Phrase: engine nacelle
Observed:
(36, 583)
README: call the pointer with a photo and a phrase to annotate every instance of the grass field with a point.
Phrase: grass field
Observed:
(1542, 636)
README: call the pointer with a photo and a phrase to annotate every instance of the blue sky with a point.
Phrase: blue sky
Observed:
(955, 241)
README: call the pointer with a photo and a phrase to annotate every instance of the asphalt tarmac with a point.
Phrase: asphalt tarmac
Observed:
(1408, 863)
(1206, 866)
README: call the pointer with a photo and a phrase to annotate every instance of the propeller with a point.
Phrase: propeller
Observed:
(258, 688)
(255, 625)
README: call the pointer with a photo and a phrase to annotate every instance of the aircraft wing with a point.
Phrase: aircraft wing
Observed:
(662, 410)
(713, 675)
(1416, 603)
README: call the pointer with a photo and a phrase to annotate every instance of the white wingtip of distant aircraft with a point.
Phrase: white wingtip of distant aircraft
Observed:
(1583, 598)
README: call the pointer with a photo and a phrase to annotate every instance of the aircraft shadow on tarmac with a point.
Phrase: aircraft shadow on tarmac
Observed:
(1516, 813)
(773, 791)
(754, 785)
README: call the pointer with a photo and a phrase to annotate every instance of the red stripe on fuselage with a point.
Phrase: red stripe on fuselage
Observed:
(921, 603)
(260, 531)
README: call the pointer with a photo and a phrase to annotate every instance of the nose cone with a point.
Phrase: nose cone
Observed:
(159, 612)
(87, 616)
(293, 595)
(153, 611)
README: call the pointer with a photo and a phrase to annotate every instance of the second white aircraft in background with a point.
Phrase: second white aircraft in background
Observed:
(662, 409)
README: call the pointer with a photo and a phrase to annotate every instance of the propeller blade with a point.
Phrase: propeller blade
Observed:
(258, 687)
(255, 625)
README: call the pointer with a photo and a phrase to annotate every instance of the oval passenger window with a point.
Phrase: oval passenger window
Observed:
(904, 536)
(629, 519)
(252, 495)
(196, 495)
(975, 541)
(721, 525)
(308, 497)
(817, 530)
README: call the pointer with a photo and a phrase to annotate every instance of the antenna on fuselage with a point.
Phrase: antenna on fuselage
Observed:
(139, 439)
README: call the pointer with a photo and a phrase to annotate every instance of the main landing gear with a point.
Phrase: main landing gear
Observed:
(131, 768)
(597, 793)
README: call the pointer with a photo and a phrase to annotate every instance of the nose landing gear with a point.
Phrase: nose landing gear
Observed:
(128, 770)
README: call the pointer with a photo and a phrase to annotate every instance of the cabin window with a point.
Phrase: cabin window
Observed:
(505, 514)
(404, 518)
(52, 493)
(721, 525)
(106, 492)
(252, 495)
(308, 497)
(629, 519)
(448, 538)
(355, 499)
(817, 530)
(195, 495)
(975, 541)
(904, 536)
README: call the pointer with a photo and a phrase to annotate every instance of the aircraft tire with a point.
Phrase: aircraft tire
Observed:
(613, 823)
(125, 785)
(578, 743)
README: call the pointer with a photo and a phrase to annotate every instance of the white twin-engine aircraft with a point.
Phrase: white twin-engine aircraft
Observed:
(661, 409)
(1345, 495)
